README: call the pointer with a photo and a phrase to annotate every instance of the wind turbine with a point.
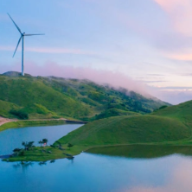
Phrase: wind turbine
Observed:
(21, 38)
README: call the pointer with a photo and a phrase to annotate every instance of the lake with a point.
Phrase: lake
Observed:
(112, 169)
(12, 138)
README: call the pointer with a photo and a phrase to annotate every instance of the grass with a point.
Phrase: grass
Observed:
(125, 130)
(27, 91)
(168, 126)
(17, 124)
(6, 107)
(42, 154)
(181, 112)
(119, 113)
(114, 112)
(49, 97)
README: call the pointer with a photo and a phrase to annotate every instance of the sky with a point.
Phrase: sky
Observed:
(142, 45)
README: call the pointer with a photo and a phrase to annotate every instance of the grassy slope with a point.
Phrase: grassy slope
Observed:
(114, 131)
(114, 112)
(51, 97)
(172, 126)
(5, 107)
(125, 130)
(181, 112)
(27, 91)
(17, 124)
(104, 97)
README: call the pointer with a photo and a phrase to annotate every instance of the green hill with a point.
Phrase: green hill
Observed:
(181, 112)
(165, 126)
(51, 97)
(125, 130)
(6, 107)
(28, 91)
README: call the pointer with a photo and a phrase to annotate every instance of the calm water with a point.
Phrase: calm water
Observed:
(124, 169)
(12, 138)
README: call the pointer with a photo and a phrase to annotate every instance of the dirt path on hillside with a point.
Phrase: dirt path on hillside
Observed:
(5, 120)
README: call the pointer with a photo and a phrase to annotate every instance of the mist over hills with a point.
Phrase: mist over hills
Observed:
(54, 97)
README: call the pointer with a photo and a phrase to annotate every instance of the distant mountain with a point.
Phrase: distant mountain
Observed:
(53, 97)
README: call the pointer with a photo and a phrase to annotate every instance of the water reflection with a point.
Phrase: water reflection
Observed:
(142, 151)
(52, 161)
(115, 169)
(98, 173)
(23, 165)
(179, 181)
(42, 163)
(12, 138)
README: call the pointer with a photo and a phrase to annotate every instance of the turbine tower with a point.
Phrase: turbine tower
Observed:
(21, 38)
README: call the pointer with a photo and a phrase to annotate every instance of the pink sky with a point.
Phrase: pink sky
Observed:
(146, 42)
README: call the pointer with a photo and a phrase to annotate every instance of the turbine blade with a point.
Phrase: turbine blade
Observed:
(14, 23)
(17, 46)
(34, 34)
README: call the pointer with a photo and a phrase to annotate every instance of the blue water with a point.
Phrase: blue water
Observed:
(12, 138)
(98, 173)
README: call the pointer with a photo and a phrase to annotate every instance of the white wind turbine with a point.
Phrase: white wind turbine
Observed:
(21, 38)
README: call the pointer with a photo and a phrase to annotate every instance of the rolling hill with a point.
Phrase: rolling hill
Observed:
(52, 97)
(122, 135)
(166, 125)
(128, 130)
(181, 112)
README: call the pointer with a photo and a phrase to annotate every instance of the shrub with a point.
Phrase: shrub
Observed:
(70, 145)
(20, 114)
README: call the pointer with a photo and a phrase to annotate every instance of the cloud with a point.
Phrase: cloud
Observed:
(180, 56)
(50, 50)
(180, 12)
(173, 95)
(114, 79)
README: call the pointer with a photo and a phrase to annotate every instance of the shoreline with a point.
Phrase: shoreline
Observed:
(76, 150)
(6, 120)
(16, 123)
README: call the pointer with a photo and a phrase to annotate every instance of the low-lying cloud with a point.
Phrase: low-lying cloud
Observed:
(115, 79)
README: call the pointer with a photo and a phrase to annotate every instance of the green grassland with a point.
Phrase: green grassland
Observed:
(170, 126)
(167, 126)
(23, 123)
(30, 93)
(117, 116)
(6, 107)
(125, 130)
(181, 112)
(51, 97)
